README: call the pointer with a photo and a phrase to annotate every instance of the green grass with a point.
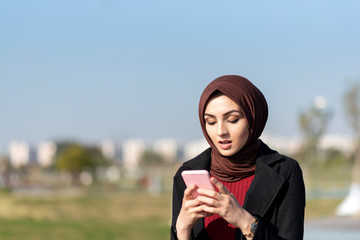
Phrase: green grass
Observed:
(32, 229)
(122, 215)
(321, 208)
(115, 216)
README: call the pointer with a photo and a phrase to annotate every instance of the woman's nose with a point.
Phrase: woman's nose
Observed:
(222, 129)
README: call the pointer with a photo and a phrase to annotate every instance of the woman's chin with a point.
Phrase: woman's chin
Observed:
(226, 153)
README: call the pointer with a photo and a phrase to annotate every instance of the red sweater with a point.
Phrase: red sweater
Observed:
(216, 226)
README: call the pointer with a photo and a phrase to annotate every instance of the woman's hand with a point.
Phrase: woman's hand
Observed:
(191, 210)
(225, 204)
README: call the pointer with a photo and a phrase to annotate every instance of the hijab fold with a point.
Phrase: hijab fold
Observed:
(253, 104)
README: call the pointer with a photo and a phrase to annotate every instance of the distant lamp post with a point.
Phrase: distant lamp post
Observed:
(320, 102)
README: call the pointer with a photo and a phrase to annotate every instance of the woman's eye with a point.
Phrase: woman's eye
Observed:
(234, 121)
(210, 123)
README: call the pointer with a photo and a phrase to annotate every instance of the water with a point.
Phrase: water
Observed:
(331, 234)
(333, 228)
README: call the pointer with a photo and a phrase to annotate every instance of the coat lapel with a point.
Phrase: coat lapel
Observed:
(265, 186)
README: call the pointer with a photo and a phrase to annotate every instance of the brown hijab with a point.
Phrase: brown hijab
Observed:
(254, 106)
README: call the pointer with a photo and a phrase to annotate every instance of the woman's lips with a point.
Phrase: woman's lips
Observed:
(225, 144)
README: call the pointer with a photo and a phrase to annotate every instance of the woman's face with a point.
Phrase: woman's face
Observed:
(226, 125)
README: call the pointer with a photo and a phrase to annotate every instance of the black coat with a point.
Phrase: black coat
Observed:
(276, 196)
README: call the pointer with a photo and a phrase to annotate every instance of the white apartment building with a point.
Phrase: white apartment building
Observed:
(108, 149)
(133, 150)
(284, 145)
(343, 143)
(46, 153)
(194, 148)
(19, 153)
(291, 145)
(167, 147)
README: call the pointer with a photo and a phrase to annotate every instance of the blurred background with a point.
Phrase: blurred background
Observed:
(98, 106)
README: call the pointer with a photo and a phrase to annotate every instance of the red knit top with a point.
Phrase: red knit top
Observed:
(216, 227)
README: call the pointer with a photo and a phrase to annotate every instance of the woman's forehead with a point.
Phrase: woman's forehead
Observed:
(221, 104)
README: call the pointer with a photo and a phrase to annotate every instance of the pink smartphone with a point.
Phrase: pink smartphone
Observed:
(201, 178)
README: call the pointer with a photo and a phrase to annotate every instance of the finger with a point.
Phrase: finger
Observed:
(205, 214)
(188, 191)
(192, 203)
(213, 202)
(202, 214)
(220, 186)
(210, 210)
(197, 212)
(196, 209)
(208, 193)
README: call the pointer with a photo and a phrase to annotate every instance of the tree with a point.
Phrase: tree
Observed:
(5, 171)
(352, 110)
(74, 158)
(313, 123)
(152, 166)
(151, 158)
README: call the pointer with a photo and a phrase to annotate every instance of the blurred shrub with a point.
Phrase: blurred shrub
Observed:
(74, 159)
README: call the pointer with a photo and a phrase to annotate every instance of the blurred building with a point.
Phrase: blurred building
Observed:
(346, 144)
(167, 148)
(108, 149)
(46, 153)
(133, 150)
(194, 148)
(284, 145)
(19, 153)
(292, 145)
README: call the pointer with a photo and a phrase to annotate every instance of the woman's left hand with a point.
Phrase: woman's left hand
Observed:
(225, 204)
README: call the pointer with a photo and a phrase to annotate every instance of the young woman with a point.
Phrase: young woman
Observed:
(260, 193)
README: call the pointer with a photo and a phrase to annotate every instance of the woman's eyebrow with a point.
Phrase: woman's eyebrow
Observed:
(232, 111)
(208, 115)
(225, 114)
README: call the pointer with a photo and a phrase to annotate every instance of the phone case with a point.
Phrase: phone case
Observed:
(200, 178)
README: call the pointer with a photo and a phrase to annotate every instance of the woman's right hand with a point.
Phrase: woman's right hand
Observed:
(190, 212)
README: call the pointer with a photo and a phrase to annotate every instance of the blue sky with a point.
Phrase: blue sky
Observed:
(92, 69)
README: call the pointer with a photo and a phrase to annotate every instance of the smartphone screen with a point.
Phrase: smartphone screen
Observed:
(200, 178)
